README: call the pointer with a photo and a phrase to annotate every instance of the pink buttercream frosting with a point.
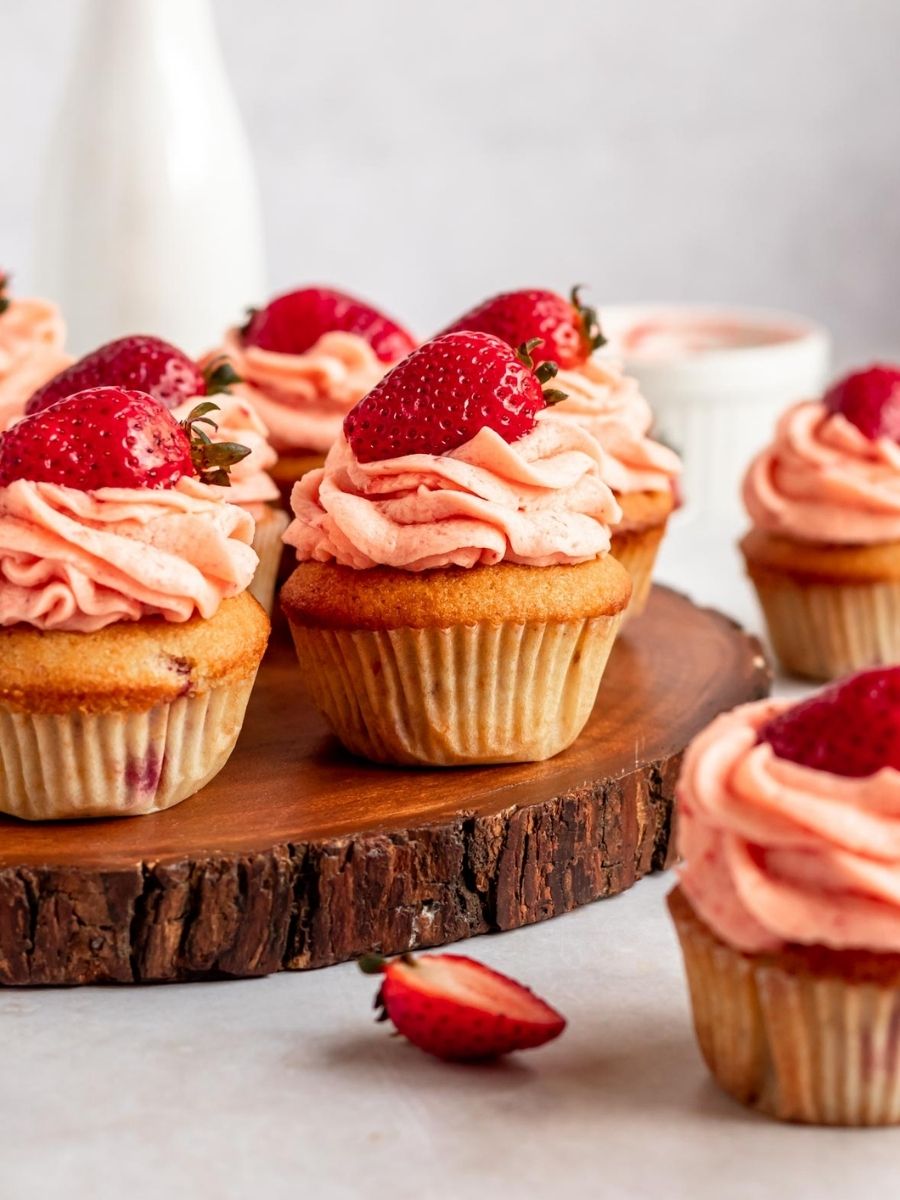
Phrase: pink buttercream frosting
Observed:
(777, 853)
(609, 405)
(540, 500)
(822, 480)
(303, 398)
(237, 421)
(32, 334)
(78, 561)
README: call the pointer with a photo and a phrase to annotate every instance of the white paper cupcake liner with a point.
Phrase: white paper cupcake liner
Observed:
(637, 553)
(480, 693)
(799, 1046)
(56, 766)
(828, 629)
(268, 545)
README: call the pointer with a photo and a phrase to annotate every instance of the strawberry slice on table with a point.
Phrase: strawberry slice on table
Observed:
(569, 329)
(138, 363)
(114, 437)
(458, 1009)
(445, 392)
(292, 323)
(851, 728)
(870, 400)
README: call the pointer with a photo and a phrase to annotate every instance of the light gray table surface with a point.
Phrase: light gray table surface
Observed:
(284, 1087)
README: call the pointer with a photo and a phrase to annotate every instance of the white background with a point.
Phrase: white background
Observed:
(429, 153)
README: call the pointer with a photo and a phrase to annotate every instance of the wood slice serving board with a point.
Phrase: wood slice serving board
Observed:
(299, 856)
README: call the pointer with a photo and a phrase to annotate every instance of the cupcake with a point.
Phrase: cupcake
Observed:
(129, 641)
(788, 906)
(824, 548)
(306, 359)
(148, 364)
(593, 393)
(454, 600)
(32, 335)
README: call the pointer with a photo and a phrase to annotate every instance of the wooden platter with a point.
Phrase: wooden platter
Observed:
(299, 856)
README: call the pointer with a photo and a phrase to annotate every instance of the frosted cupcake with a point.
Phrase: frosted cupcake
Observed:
(824, 550)
(593, 393)
(129, 641)
(788, 908)
(32, 336)
(455, 601)
(306, 358)
(148, 364)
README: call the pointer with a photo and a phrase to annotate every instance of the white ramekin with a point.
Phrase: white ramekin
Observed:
(718, 407)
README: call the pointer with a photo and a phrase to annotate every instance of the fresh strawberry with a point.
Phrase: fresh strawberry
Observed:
(136, 363)
(851, 728)
(569, 329)
(113, 437)
(459, 1009)
(444, 393)
(869, 399)
(4, 284)
(291, 323)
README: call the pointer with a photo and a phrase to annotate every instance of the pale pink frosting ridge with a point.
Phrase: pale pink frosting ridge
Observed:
(78, 561)
(609, 405)
(303, 398)
(540, 500)
(778, 853)
(238, 421)
(32, 335)
(822, 480)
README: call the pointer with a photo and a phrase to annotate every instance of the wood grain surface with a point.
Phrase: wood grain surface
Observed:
(299, 856)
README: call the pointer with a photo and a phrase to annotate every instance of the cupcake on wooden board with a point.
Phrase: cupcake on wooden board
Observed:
(788, 907)
(306, 358)
(128, 641)
(454, 600)
(32, 337)
(824, 550)
(642, 473)
(148, 364)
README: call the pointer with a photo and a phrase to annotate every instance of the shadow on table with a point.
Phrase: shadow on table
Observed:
(662, 1076)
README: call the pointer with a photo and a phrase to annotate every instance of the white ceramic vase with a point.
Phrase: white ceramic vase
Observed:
(149, 217)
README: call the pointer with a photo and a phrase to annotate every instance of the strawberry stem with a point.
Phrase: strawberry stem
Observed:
(591, 332)
(212, 460)
(371, 964)
(248, 320)
(220, 376)
(4, 299)
(544, 372)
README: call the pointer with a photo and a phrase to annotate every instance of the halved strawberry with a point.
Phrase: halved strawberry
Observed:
(113, 437)
(870, 400)
(137, 363)
(569, 330)
(292, 323)
(444, 393)
(459, 1009)
(851, 728)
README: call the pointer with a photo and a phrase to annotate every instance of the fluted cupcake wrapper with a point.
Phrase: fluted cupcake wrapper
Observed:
(269, 547)
(799, 1046)
(56, 766)
(637, 552)
(481, 693)
(828, 629)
